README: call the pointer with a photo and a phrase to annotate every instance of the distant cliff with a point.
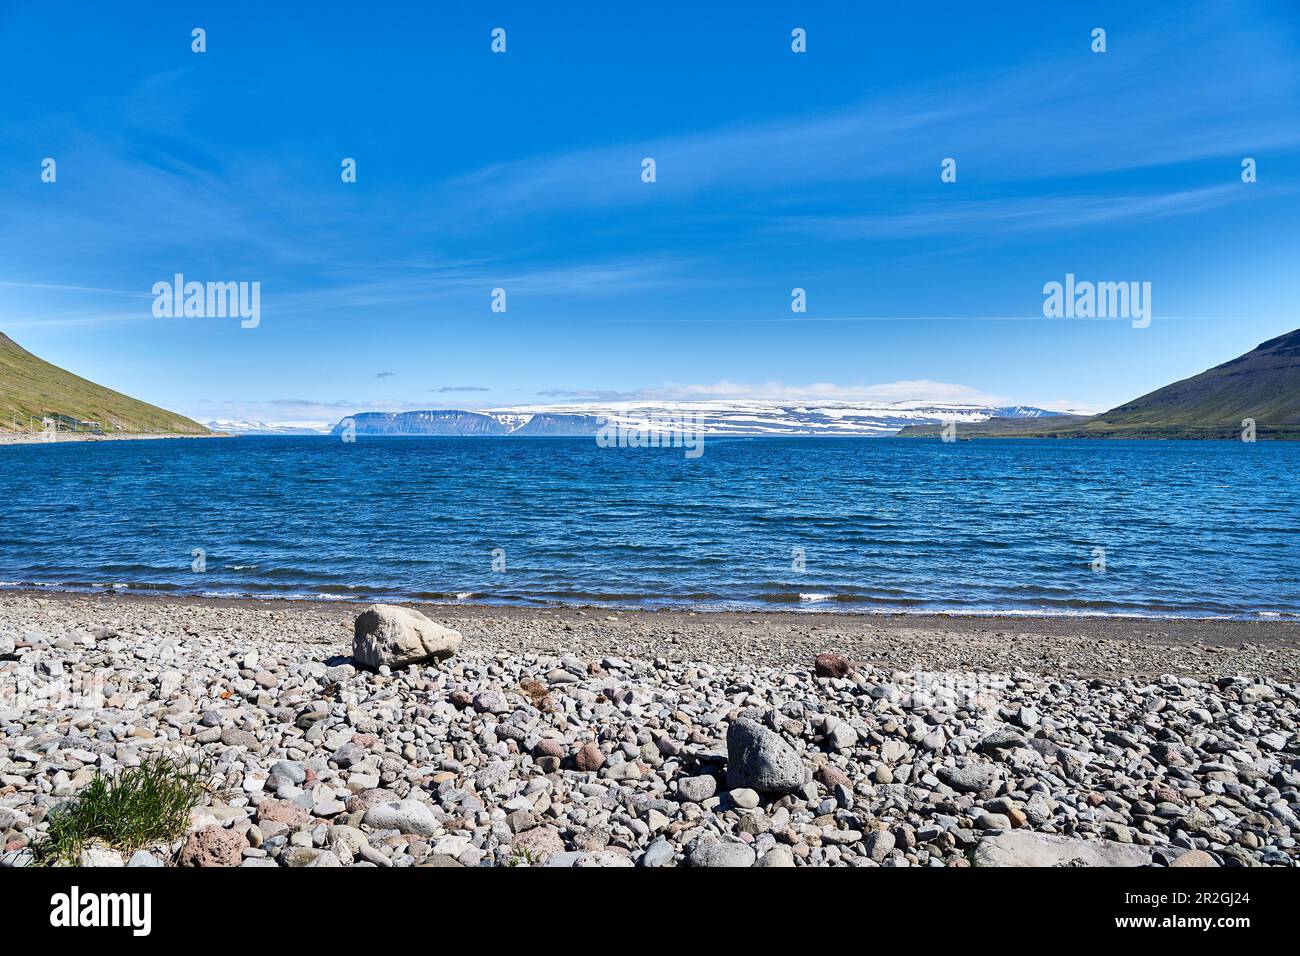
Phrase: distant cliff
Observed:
(560, 425)
(753, 417)
(456, 422)
(438, 422)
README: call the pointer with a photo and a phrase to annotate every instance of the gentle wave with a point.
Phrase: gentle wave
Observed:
(804, 603)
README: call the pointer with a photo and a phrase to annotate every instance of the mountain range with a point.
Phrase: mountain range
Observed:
(1259, 390)
(752, 418)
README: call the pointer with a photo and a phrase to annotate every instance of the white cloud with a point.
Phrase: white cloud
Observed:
(916, 389)
(297, 410)
(1073, 408)
(1006, 216)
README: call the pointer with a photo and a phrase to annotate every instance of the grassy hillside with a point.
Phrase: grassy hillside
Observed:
(1263, 384)
(34, 389)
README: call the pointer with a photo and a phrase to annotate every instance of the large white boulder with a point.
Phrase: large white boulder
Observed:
(406, 816)
(1025, 848)
(397, 636)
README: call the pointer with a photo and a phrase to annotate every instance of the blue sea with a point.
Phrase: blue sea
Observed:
(867, 525)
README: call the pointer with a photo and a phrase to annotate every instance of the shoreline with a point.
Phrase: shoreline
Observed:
(1042, 644)
(39, 438)
(650, 606)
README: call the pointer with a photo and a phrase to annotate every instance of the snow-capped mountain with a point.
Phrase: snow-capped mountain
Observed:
(755, 417)
(269, 428)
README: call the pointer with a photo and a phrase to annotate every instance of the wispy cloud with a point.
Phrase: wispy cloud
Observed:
(912, 390)
(290, 409)
(1041, 125)
(589, 394)
(1041, 120)
(459, 280)
(917, 389)
(55, 287)
(727, 390)
(1011, 215)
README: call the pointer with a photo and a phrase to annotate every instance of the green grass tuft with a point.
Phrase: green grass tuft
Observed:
(133, 809)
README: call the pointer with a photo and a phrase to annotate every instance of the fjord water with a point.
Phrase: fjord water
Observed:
(1188, 528)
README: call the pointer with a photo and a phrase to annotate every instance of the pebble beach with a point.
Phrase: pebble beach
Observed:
(588, 737)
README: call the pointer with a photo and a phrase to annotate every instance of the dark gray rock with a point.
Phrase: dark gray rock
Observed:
(1004, 738)
(760, 759)
(971, 778)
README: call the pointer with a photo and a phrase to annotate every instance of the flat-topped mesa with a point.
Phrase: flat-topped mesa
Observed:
(750, 417)
(450, 422)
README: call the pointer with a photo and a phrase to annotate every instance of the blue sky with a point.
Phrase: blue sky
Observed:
(522, 170)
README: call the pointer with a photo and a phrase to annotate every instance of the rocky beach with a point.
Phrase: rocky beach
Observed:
(336, 735)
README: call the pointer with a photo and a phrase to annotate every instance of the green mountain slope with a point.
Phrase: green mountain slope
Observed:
(32, 390)
(1263, 384)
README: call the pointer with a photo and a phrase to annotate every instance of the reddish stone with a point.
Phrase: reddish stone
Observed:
(589, 758)
(363, 801)
(460, 699)
(548, 747)
(831, 776)
(213, 846)
(1163, 793)
(832, 665)
(537, 844)
(282, 811)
